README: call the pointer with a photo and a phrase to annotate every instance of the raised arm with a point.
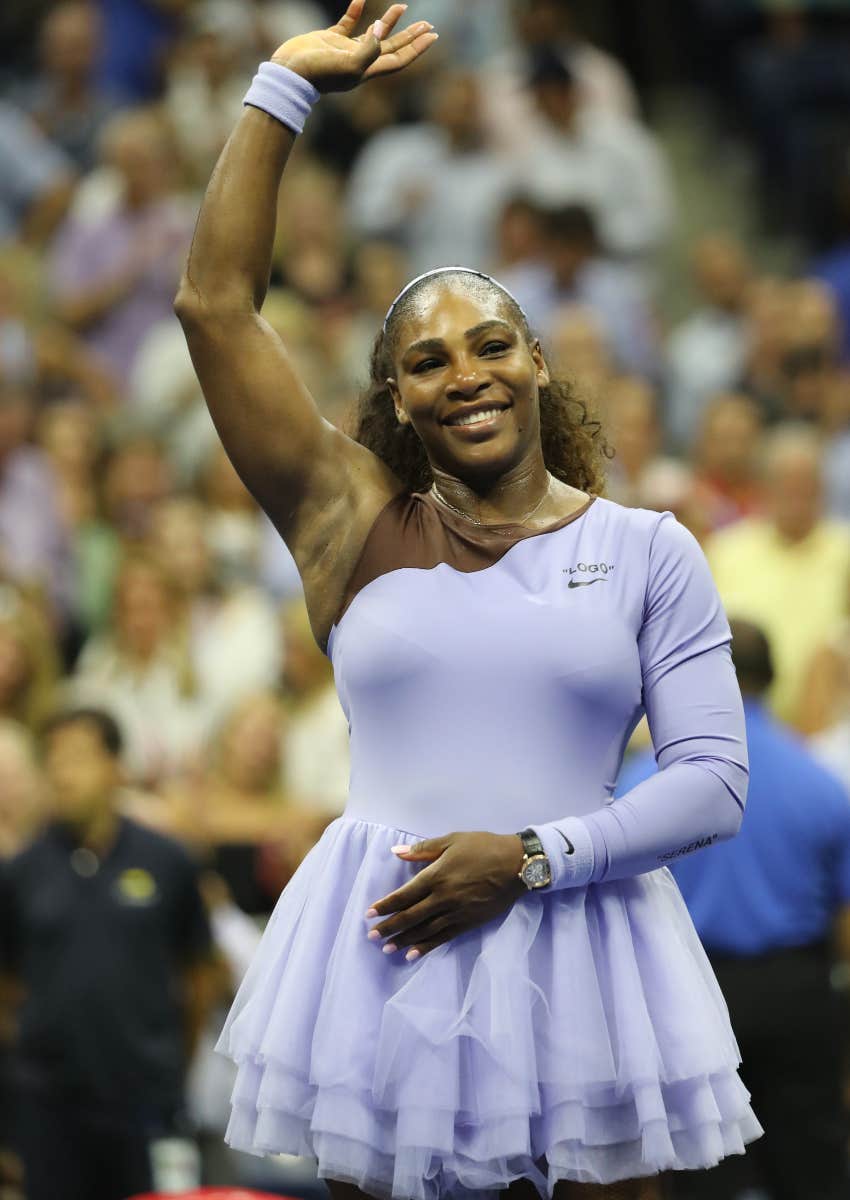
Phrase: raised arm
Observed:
(267, 420)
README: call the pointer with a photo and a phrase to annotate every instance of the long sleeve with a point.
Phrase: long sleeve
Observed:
(695, 714)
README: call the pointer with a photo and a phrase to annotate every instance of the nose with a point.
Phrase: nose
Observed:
(465, 383)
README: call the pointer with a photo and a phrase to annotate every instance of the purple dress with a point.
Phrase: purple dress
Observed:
(492, 678)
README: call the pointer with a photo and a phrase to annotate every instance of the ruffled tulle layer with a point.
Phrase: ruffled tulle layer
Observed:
(581, 1035)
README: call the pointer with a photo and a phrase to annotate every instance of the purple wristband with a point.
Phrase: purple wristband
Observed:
(283, 94)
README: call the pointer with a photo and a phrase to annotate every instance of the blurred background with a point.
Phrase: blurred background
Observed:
(665, 188)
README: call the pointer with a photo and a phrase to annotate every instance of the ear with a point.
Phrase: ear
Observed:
(401, 415)
(543, 376)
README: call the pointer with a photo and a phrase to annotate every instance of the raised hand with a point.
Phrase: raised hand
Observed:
(334, 60)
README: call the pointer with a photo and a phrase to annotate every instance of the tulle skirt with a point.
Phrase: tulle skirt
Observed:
(579, 1035)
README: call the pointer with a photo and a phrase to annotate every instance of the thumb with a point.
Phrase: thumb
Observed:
(431, 848)
(370, 45)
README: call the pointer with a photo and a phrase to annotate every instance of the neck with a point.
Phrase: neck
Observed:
(508, 501)
(97, 833)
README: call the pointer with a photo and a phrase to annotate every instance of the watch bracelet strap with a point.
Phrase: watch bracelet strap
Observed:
(531, 842)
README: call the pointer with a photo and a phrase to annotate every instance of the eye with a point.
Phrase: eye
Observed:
(425, 365)
(497, 346)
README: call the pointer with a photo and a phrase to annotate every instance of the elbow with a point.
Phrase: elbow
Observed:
(195, 306)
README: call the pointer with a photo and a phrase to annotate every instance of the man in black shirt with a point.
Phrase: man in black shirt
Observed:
(104, 932)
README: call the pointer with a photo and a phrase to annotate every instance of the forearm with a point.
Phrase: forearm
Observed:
(685, 808)
(230, 258)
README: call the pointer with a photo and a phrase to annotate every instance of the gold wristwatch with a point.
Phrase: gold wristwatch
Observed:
(536, 872)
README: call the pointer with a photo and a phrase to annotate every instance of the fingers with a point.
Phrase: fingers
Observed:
(417, 915)
(348, 21)
(403, 49)
(392, 17)
(445, 935)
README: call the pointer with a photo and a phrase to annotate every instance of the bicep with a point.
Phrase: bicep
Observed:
(271, 427)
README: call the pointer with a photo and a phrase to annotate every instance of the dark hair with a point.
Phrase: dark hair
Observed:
(573, 445)
(108, 729)
(751, 656)
(549, 66)
(572, 223)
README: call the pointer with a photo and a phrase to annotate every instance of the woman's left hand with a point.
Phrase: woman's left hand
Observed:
(472, 878)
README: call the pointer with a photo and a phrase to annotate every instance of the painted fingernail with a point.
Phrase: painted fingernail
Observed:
(399, 849)
(371, 912)
(412, 954)
(373, 935)
(390, 946)
(379, 29)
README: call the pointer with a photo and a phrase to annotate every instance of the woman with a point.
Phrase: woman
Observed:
(494, 641)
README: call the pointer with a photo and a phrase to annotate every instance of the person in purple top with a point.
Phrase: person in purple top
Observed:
(482, 977)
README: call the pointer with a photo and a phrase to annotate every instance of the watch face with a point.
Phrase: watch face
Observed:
(536, 872)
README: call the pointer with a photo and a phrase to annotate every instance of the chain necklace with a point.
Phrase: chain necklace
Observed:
(475, 520)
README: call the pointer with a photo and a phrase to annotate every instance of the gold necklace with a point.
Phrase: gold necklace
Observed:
(475, 521)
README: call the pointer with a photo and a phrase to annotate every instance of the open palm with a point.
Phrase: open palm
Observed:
(334, 60)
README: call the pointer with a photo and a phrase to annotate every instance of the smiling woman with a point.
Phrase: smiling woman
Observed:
(482, 976)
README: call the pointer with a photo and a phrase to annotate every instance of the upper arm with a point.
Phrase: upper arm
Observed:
(690, 690)
(284, 450)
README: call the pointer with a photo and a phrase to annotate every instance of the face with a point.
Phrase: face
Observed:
(180, 544)
(730, 438)
(81, 773)
(794, 493)
(459, 350)
(252, 743)
(141, 608)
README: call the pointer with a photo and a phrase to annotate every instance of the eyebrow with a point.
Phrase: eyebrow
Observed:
(432, 344)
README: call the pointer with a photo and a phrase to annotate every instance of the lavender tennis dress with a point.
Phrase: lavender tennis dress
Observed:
(491, 678)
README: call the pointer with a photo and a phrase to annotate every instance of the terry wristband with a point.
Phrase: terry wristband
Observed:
(283, 94)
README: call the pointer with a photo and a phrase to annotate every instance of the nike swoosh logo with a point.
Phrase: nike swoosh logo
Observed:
(570, 847)
(584, 582)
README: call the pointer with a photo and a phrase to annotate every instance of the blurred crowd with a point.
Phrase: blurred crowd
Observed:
(138, 576)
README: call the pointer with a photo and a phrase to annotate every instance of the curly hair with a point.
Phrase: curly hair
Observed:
(574, 448)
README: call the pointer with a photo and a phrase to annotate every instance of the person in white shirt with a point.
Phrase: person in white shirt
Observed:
(610, 163)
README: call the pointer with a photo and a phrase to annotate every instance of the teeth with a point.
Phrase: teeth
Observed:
(474, 418)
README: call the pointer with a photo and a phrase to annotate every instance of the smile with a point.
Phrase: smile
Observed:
(484, 420)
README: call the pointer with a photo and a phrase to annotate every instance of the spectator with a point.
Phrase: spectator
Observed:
(610, 164)
(104, 927)
(113, 272)
(316, 754)
(35, 550)
(21, 789)
(230, 632)
(36, 180)
(437, 187)
(725, 457)
(573, 270)
(707, 352)
(639, 475)
(139, 669)
(29, 662)
(789, 568)
(237, 812)
(826, 716)
(63, 97)
(767, 908)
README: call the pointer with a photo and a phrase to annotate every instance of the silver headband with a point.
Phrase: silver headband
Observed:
(449, 271)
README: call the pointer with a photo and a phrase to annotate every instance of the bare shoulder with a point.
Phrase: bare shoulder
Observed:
(349, 486)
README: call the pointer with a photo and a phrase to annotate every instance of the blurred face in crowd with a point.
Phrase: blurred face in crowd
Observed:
(138, 148)
(633, 423)
(558, 101)
(380, 272)
(142, 609)
(82, 775)
(251, 744)
(578, 348)
(793, 487)
(305, 668)
(70, 42)
(520, 233)
(179, 542)
(67, 432)
(729, 438)
(721, 272)
(137, 477)
(462, 346)
(456, 107)
(543, 22)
